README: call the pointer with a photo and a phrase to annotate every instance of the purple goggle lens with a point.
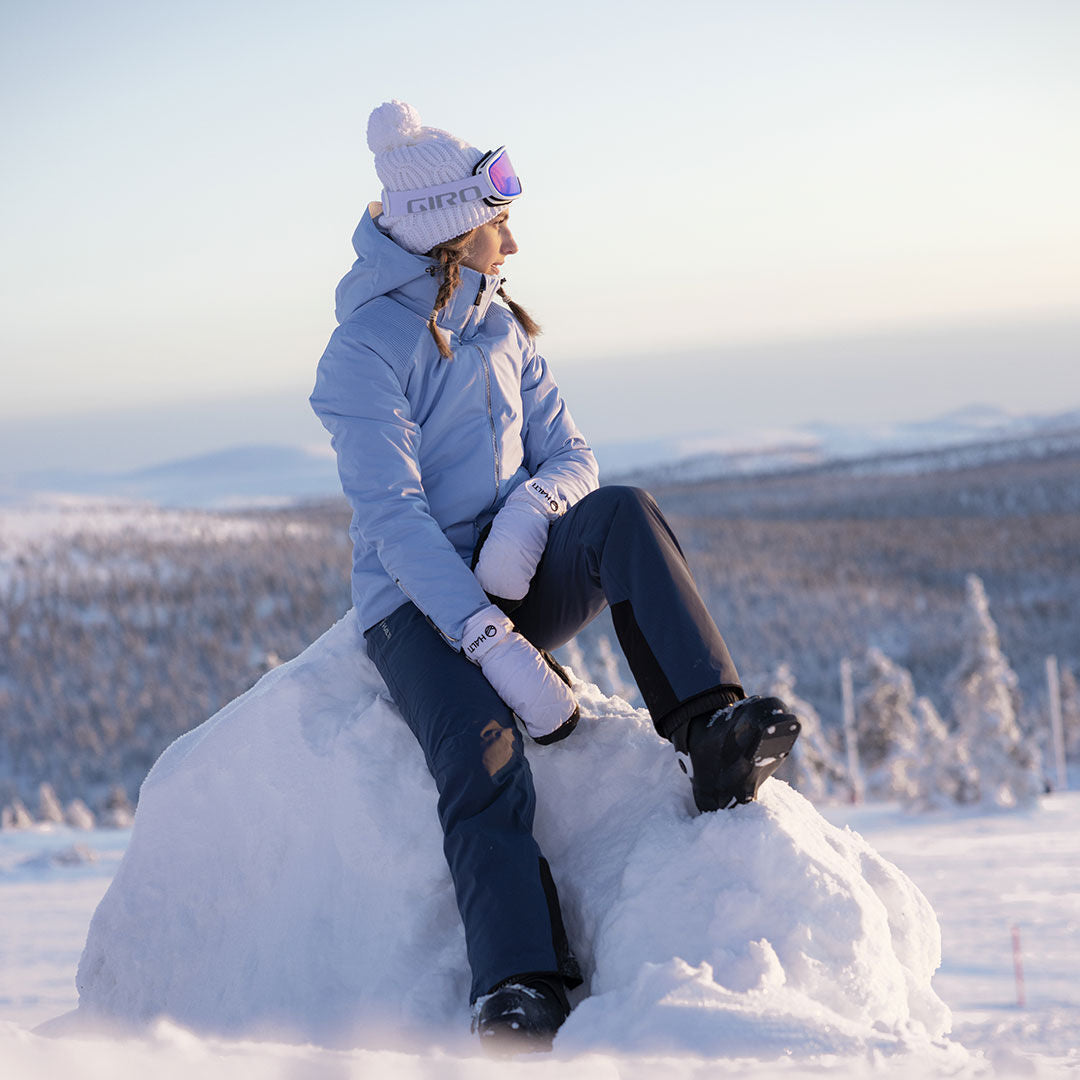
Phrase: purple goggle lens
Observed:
(497, 168)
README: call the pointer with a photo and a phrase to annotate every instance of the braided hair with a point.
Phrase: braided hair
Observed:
(449, 256)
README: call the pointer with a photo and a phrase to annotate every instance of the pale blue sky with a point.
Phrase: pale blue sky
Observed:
(181, 181)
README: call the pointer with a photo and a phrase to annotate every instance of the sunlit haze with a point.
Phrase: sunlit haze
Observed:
(703, 180)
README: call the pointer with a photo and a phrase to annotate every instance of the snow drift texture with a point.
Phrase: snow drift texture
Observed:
(285, 875)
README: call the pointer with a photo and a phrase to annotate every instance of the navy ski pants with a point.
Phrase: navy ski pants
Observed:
(613, 548)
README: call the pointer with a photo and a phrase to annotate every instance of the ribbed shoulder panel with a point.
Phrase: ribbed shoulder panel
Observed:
(389, 329)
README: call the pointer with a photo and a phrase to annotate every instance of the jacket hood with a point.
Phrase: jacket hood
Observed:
(383, 267)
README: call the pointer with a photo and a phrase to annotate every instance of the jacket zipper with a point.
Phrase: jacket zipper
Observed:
(491, 421)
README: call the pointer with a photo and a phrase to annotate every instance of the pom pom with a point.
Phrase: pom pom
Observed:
(391, 125)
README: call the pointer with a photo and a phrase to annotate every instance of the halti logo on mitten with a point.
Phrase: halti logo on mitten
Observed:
(540, 490)
(490, 631)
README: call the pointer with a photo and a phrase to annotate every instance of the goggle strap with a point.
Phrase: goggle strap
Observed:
(467, 190)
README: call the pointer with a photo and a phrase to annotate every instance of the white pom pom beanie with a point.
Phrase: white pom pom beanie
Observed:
(407, 157)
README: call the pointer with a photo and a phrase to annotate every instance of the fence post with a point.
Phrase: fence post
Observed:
(1018, 968)
(1057, 728)
(851, 745)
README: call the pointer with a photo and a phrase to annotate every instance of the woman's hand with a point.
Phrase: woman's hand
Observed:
(517, 540)
(520, 675)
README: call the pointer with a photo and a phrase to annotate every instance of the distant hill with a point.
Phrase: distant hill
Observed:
(970, 436)
(278, 475)
(239, 476)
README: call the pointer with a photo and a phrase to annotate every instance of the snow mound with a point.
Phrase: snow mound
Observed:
(285, 876)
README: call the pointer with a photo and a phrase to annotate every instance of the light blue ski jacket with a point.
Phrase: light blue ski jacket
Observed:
(429, 449)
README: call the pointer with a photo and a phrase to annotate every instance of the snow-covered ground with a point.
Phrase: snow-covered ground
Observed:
(983, 873)
(763, 940)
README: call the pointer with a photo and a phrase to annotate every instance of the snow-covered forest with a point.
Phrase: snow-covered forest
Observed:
(121, 629)
(945, 586)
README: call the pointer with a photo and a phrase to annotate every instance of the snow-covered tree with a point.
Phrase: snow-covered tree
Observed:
(605, 670)
(78, 815)
(119, 813)
(571, 656)
(813, 767)
(15, 816)
(942, 775)
(984, 697)
(49, 808)
(592, 659)
(887, 727)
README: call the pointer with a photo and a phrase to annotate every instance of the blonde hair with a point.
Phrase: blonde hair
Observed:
(449, 256)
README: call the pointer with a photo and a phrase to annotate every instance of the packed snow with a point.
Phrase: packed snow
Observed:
(285, 874)
(959, 859)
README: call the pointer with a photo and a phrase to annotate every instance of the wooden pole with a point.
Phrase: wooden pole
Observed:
(1018, 967)
(851, 744)
(1057, 728)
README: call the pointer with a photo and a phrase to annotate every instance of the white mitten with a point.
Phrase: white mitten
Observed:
(520, 675)
(517, 539)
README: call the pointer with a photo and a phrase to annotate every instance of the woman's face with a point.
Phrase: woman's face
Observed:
(491, 243)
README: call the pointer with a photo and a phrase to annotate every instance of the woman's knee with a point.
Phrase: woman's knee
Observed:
(630, 509)
(474, 767)
(635, 498)
(622, 498)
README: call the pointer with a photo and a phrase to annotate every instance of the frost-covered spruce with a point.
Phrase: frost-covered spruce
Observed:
(593, 660)
(571, 656)
(118, 812)
(16, 816)
(813, 767)
(606, 668)
(887, 727)
(984, 696)
(49, 808)
(942, 775)
(78, 815)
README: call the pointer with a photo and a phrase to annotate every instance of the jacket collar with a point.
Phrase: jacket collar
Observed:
(384, 268)
(467, 307)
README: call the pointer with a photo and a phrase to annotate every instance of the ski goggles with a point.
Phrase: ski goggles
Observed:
(493, 182)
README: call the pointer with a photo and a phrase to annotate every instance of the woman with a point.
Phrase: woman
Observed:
(481, 539)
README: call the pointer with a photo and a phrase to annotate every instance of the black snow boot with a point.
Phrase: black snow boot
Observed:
(730, 753)
(522, 1014)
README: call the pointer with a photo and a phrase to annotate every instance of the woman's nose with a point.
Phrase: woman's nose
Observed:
(509, 244)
